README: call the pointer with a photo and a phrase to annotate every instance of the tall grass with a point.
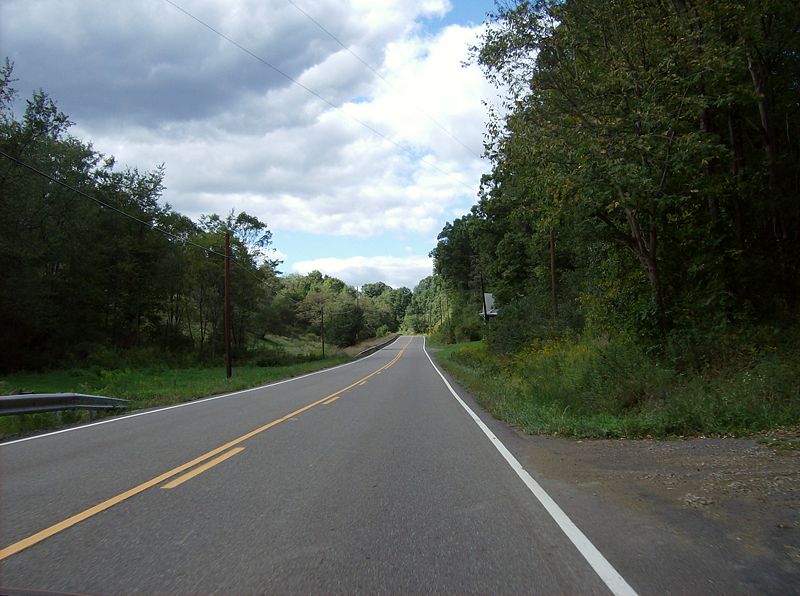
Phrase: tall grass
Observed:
(601, 387)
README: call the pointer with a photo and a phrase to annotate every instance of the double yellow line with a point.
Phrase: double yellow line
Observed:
(219, 451)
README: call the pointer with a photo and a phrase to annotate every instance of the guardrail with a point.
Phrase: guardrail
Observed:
(377, 347)
(31, 403)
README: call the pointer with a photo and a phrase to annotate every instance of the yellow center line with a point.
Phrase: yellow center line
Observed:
(200, 469)
(123, 496)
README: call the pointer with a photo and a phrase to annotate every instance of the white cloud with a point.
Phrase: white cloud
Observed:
(356, 271)
(150, 85)
(274, 254)
(321, 171)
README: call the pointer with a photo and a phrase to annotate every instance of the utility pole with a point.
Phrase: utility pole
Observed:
(360, 319)
(322, 334)
(227, 317)
(483, 297)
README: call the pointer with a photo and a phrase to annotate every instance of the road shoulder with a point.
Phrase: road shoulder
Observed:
(725, 510)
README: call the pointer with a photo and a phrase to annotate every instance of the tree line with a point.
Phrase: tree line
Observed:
(93, 262)
(644, 171)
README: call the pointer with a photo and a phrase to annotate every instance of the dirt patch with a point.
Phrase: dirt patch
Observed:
(748, 488)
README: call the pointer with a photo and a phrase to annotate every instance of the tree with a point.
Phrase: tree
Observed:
(374, 290)
(94, 262)
(627, 123)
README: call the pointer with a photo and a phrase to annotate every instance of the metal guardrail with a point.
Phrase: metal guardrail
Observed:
(31, 403)
(377, 347)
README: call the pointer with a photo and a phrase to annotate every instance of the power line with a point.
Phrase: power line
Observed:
(381, 77)
(110, 207)
(150, 225)
(154, 227)
(105, 205)
(372, 129)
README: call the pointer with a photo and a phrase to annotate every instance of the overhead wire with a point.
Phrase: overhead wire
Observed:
(110, 207)
(385, 80)
(152, 226)
(104, 204)
(309, 90)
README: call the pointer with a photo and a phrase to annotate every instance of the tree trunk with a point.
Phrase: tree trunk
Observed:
(713, 202)
(646, 251)
(737, 147)
(188, 319)
(768, 139)
(553, 289)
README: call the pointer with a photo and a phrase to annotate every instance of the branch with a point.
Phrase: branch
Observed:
(618, 233)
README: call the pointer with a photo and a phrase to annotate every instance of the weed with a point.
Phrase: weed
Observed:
(613, 387)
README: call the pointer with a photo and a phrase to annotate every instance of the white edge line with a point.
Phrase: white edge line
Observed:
(610, 576)
(193, 402)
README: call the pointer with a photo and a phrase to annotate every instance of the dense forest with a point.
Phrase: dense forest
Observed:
(646, 174)
(96, 267)
(643, 202)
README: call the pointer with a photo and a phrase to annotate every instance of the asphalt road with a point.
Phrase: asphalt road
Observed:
(371, 477)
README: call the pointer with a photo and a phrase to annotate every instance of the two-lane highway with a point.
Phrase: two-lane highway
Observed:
(371, 477)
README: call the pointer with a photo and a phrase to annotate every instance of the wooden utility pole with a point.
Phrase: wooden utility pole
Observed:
(483, 299)
(227, 316)
(322, 330)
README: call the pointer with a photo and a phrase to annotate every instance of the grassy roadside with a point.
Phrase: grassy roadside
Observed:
(603, 388)
(144, 387)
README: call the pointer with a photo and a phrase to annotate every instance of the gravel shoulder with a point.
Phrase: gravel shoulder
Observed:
(744, 490)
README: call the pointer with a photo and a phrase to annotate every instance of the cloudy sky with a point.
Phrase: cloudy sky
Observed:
(355, 166)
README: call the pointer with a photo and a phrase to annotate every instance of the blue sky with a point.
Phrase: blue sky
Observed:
(148, 84)
(466, 12)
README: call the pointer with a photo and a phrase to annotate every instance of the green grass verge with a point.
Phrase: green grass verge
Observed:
(604, 388)
(144, 387)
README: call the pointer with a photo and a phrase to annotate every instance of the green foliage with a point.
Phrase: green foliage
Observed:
(639, 226)
(345, 315)
(455, 257)
(375, 290)
(344, 324)
(614, 388)
(461, 321)
(527, 319)
(637, 172)
(426, 307)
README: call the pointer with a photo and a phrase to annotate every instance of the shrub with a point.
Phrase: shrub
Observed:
(615, 386)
